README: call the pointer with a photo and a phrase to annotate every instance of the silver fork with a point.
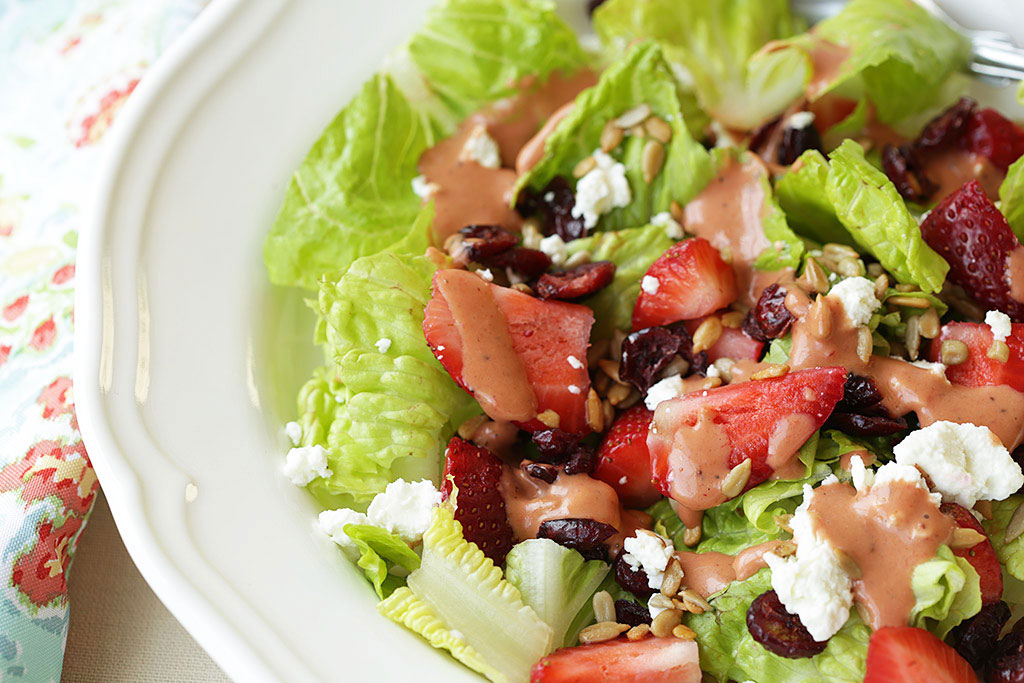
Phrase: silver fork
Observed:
(993, 53)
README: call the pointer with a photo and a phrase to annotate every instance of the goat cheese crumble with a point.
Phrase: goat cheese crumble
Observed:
(673, 229)
(1000, 325)
(481, 148)
(650, 284)
(294, 432)
(554, 247)
(404, 508)
(423, 189)
(857, 294)
(602, 189)
(650, 552)
(333, 522)
(664, 390)
(383, 344)
(304, 464)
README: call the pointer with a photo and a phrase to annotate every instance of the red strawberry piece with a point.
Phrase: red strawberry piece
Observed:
(544, 334)
(982, 556)
(480, 508)
(969, 232)
(623, 461)
(980, 370)
(994, 136)
(693, 281)
(651, 660)
(751, 415)
(904, 654)
(733, 343)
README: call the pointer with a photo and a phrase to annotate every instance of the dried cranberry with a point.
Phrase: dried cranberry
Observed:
(1007, 664)
(583, 280)
(587, 536)
(976, 638)
(906, 173)
(780, 632)
(947, 128)
(483, 241)
(647, 352)
(555, 446)
(530, 263)
(866, 425)
(631, 613)
(553, 206)
(582, 461)
(542, 471)
(760, 136)
(633, 580)
(796, 140)
(769, 318)
(860, 395)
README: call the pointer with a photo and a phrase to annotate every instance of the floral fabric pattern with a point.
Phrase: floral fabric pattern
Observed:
(66, 69)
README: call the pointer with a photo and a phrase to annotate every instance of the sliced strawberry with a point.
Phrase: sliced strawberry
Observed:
(968, 231)
(623, 461)
(545, 334)
(980, 370)
(992, 135)
(777, 414)
(982, 556)
(904, 654)
(693, 281)
(733, 343)
(651, 660)
(479, 505)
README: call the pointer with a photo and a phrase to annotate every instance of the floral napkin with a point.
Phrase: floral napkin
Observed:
(66, 69)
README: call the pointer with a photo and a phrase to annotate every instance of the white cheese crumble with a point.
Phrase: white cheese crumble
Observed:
(857, 294)
(294, 432)
(333, 522)
(423, 189)
(304, 464)
(812, 583)
(622, 480)
(554, 247)
(574, 362)
(801, 119)
(862, 476)
(485, 274)
(650, 552)
(650, 284)
(713, 371)
(383, 344)
(965, 463)
(664, 390)
(481, 148)
(404, 508)
(999, 322)
(602, 189)
(573, 389)
(673, 230)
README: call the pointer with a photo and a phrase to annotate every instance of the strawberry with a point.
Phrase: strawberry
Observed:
(733, 343)
(545, 334)
(994, 136)
(479, 507)
(980, 370)
(968, 231)
(904, 654)
(982, 556)
(693, 281)
(750, 413)
(623, 461)
(651, 660)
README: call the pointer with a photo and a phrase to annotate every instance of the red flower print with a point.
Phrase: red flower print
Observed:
(54, 398)
(44, 335)
(64, 274)
(5, 353)
(39, 574)
(52, 469)
(15, 308)
(95, 125)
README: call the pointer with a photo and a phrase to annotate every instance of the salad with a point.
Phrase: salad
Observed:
(695, 352)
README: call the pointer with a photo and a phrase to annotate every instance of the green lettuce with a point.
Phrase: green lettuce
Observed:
(868, 205)
(632, 251)
(380, 415)
(556, 582)
(786, 248)
(729, 652)
(947, 590)
(1011, 554)
(801, 193)
(1011, 197)
(717, 44)
(379, 549)
(640, 77)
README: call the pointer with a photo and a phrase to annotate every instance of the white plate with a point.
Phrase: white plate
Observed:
(188, 361)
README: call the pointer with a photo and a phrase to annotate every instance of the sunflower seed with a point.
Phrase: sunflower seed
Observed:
(667, 620)
(634, 116)
(865, 344)
(658, 129)
(908, 301)
(638, 632)
(998, 351)
(611, 137)
(691, 536)
(652, 159)
(598, 633)
(929, 324)
(737, 479)
(953, 352)
(549, 418)
(684, 632)
(595, 415)
(965, 538)
(706, 334)
(468, 428)
(584, 167)
(771, 370)
(1015, 526)
(604, 607)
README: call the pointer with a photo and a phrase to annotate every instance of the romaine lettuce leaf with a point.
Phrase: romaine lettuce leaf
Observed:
(380, 415)
(377, 549)
(717, 44)
(1011, 197)
(786, 248)
(1011, 554)
(472, 52)
(868, 205)
(632, 251)
(556, 582)
(640, 77)
(729, 652)
(467, 591)
(801, 193)
(947, 590)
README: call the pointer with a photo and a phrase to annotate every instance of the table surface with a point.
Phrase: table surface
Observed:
(120, 631)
